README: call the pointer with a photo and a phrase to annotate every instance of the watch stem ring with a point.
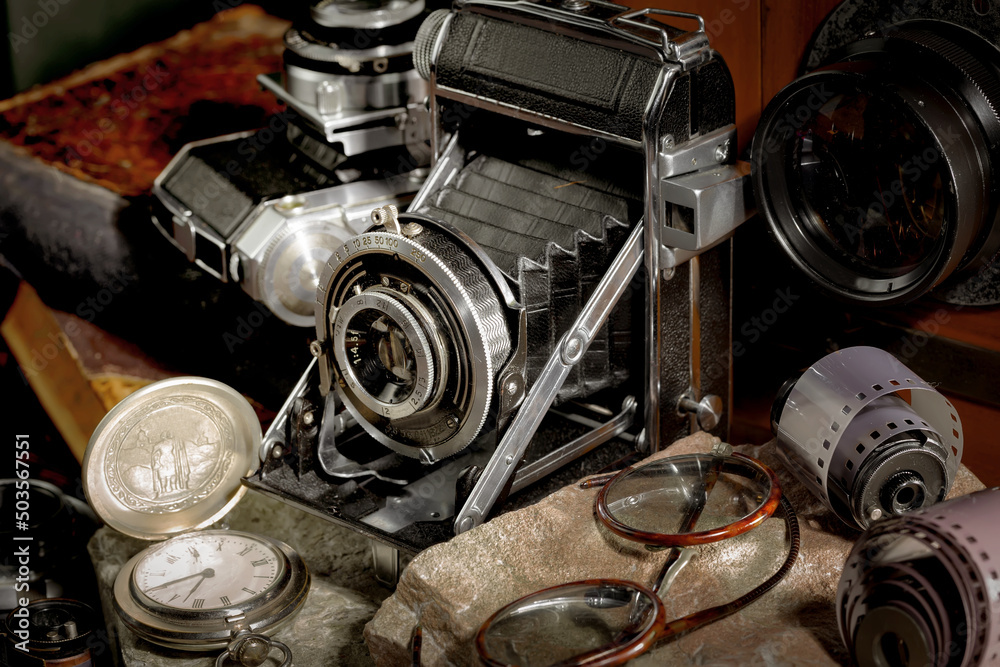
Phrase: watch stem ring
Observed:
(252, 650)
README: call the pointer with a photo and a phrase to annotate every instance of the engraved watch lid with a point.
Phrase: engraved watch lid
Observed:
(169, 458)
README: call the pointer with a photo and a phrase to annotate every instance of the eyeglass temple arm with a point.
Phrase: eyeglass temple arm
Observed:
(691, 519)
(691, 622)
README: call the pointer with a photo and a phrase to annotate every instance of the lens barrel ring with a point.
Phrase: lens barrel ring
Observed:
(978, 85)
(349, 62)
(425, 350)
(957, 92)
(468, 317)
(330, 14)
(779, 196)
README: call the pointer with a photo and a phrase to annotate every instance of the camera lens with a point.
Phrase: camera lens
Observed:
(874, 173)
(416, 357)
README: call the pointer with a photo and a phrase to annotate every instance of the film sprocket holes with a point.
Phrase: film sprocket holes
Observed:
(866, 435)
(921, 589)
(879, 171)
(514, 282)
(266, 208)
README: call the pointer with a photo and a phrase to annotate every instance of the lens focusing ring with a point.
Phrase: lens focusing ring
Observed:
(418, 337)
(457, 308)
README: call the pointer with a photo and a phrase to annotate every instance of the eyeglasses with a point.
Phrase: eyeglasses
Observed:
(676, 503)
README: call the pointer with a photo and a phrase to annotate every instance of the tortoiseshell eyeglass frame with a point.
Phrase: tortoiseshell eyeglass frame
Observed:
(656, 628)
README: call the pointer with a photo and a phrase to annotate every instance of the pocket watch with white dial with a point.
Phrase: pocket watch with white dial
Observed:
(164, 463)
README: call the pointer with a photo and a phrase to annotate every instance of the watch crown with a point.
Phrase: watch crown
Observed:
(253, 651)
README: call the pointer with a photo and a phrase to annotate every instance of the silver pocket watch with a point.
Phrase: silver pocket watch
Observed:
(165, 463)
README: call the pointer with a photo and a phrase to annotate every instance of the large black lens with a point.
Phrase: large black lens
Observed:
(875, 172)
(870, 185)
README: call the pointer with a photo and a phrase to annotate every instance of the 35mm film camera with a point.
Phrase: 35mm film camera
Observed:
(567, 249)
(266, 208)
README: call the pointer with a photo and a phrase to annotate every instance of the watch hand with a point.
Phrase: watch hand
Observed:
(203, 573)
(193, 589)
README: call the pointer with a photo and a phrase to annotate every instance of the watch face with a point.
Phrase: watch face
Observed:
(194, 591)
(208, 570)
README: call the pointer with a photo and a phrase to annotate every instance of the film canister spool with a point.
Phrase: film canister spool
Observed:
(50, 633)
(924, 588)
(868, 436)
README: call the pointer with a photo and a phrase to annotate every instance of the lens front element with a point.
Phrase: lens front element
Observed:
(650, 503)
(871, 185)
(578, 623)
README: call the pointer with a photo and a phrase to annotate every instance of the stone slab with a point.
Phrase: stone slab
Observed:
(452, 588)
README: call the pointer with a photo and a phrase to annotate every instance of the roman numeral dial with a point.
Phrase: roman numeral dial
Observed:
(208, 570)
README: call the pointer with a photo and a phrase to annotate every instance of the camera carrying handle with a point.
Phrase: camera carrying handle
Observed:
(685, 49)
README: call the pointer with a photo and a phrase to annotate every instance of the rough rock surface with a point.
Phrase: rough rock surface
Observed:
(452, 588)
(343, 594)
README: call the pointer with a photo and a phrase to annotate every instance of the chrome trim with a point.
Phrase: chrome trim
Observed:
(568, 353)
(653, 226)
(573, 450)
(329, 124)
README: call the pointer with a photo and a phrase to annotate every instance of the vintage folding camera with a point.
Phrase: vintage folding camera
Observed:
(878, 171)
(561, 278)
(266, 208)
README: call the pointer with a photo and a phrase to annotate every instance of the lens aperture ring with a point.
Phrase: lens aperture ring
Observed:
(428, 278)
(404, 350)
(980, 85)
